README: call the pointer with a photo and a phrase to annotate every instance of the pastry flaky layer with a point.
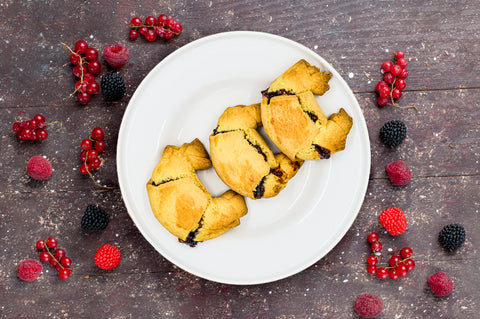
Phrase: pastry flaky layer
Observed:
(182, 204)
(294, 121)
(242, 158)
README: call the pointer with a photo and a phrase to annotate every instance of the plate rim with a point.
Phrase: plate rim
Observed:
(356, 206)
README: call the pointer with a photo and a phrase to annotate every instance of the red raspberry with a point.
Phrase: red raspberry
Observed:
(399, 173)
(394, 221)
(107, 257)
(368, 305)
(116, 55)
(29, 269)
(440, 284)
(39, 168)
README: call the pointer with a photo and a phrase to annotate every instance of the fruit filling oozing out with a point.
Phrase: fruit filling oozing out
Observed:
(269, 95)
(322, 151)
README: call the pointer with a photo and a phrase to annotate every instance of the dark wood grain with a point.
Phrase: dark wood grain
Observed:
(441, 40)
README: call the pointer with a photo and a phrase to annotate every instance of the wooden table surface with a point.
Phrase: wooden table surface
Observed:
(441, 41)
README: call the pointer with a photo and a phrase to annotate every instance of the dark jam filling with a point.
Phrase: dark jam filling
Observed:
(259, 150)
(322, 151)
(260, 189)
(269, 95)
(277, 171)
(190, 241)
(215, 131)
(312, 116)
(162, 182)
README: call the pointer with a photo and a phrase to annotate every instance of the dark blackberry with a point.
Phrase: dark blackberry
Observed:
(452, 237)
(94, 218)
(393, 133)
(113, 87)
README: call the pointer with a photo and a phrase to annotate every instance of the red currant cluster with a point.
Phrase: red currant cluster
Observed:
(56, 257)
(394, 75)
(399, 265)
(86, 66)
(33, 130)
(91, 148)
(162, 27)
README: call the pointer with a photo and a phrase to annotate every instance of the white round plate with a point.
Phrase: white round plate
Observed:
(181, 99)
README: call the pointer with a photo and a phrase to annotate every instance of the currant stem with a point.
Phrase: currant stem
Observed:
(93, 178)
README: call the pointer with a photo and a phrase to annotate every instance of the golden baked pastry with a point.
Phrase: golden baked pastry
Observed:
(293, 119)
(242, 158)
(182, 204)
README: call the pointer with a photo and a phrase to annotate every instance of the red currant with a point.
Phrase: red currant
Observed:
(39, 118)
(64, 273)
(396, 94)
(382, 101)
(78, 70)
(150, 21)
(169, 34)
(400, 84)
(91, 54)
(66, 261)
(371, 269)
(81, 46)
(372, 237)
(53, 262)
(59, 253)
(40, 244)
(94, 67)
(372, 260)
(399, 54)
(51, 242)
(393, 273)
(83, 97)
(98, 134)
(161, 32)
(403, 74)
(394, 260)
(410, 264)
(162, 20)
(406, 252)
(95, 162)
(384, 91)
(44, 256)
(142, 30)
(93, 87)
(92, 154)
(174, 26)
(86, 144)
(389, 78)
(402, 270)
(387, 66)
(133, 34)
(81, 86)
(84, 169)
(382, 273)
(136, 21)
(75, 59)
(83, 156)
(151, 35)
(376, 246)
(380, 85)
(16, 127)
(88, 77)
(100, 146)
(402, 62)
(42, 134)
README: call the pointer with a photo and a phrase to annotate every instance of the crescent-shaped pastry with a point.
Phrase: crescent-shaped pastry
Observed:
(182, 204)
(294, 121)
(242, 158)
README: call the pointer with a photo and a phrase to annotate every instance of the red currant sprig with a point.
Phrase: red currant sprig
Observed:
(86, 66)
(92, 147)
(398, 265)
(55, 256)
(151, 28)
(393, 83)
(34, 129)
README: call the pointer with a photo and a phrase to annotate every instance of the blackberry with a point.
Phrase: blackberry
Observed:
(113, 87)
(393, 133)
(452, 237)
(94, 218)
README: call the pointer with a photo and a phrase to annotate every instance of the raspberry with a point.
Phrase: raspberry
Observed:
(116, 55)
(39, 168)
(368, 305)
(393, 133)
(107, 257)
(29, 270)
(113, 87)
(440, 284)
(399, 173)
(394, 221)
(452, 237)
(94, 218)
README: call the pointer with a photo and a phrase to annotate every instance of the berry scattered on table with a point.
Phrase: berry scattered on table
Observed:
(54, 256)
(91, 149)
(107, 257)
(393, 220)
(39, 168)
(116, 55)
(368, 305)
(113, 87)
(85, 67)
(390, 88)
(94, 218)
(29, 270)
(34, 129)
(393, 133)
(441, 284)
(153, 28)
(452, 237)
(399, 173)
